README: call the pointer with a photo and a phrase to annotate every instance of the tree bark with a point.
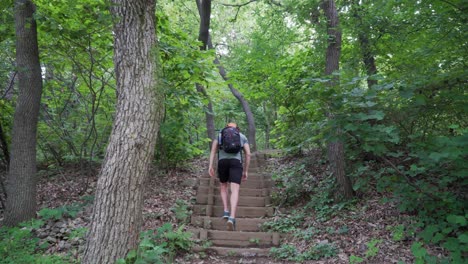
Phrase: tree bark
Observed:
(117, 214)
(335, 146)
(4, 146)
(21, 178)
(204, 10)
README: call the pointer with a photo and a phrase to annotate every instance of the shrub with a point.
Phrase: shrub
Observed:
(160, 246)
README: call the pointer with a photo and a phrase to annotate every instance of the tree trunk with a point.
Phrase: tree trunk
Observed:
(117, 214)
(335, 146)
(204, 10)
(21, 179)
(366, 50)
(267, 126)
(251, 131)
(4, 146)
(209, 116)
(368, 59)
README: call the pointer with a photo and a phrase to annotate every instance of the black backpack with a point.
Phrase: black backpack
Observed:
(230, 140)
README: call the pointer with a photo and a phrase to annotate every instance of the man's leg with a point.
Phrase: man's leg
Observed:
(224, 194)
(234, 198)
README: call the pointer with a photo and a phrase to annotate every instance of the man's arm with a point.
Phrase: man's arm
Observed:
(247, 155)
(214, 149)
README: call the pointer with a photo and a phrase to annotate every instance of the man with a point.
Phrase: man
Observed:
(232, 169)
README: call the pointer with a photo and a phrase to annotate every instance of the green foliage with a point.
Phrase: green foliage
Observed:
(295, 183)
(320, 251)
(323, 202)
(18, 245)
(181, 210)
(422, 256)
(286, 252)
(315, 252)
(398, 232)
(160, 246)
(75, 40)
(449, 233)
(307, 234)
(182, 134)
(69, 210)
(285, 223)
(354, 259)
(372, 248)
(79, 232)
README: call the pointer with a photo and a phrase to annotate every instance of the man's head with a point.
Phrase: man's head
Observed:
(234, 125)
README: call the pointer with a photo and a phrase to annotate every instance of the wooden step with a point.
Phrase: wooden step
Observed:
(237, 239)
(253, 184)
(242, 211)
(235, 252)
(218, 223)
(251, 176)
(252, 192)
(248, 240)
(204, 198)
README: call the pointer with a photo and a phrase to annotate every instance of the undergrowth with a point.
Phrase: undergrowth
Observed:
(438, 219)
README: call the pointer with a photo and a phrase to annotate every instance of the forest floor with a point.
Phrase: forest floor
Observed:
(367, 231)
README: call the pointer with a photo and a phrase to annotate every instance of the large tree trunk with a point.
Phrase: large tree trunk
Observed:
(335, 146)
(117, 215)
(204, 10)
(21, 179)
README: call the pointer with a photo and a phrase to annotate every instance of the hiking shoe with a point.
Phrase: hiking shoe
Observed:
(226, 215)
(231, 224)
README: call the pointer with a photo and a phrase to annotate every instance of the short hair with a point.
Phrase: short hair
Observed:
(231, 124)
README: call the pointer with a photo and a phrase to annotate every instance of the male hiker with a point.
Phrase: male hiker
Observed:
(232, 167)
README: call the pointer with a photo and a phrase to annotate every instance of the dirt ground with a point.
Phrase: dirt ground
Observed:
(370, 220)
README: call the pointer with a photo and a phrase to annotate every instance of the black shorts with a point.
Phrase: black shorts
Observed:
(230, 170)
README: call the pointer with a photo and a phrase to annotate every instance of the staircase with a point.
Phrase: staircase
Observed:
(253, 207)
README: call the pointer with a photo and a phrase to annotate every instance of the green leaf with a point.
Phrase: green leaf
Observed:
(437, 156)
(420, 100)
(418, 250)
(452, 244)
(428, 232)
(132, 254)
(438, 237)
(456, 219)
(463, 238)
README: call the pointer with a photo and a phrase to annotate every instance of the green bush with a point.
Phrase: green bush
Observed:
(181, 211)
(294, 183)
(18, 245)
(160, 246)
(285, 223)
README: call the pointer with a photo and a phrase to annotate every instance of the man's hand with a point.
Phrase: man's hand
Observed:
(211, 171)
(244, 176)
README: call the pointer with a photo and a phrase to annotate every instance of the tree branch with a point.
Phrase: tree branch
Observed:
(239, 5)
(10, 85)
(453, 5)
(408, 180)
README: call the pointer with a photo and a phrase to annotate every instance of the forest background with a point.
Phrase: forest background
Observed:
(397, 104)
